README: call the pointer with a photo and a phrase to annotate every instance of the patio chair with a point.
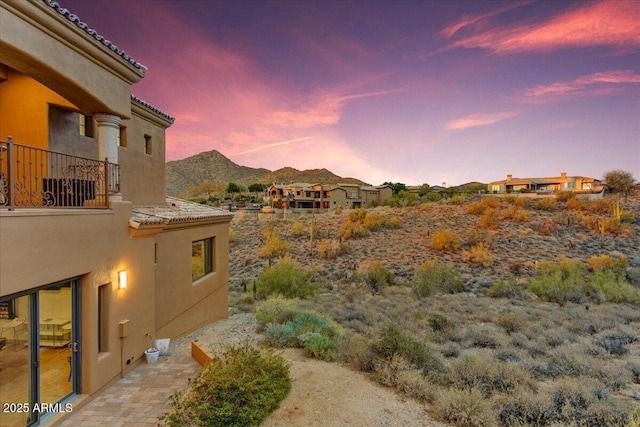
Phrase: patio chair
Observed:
(14, 324)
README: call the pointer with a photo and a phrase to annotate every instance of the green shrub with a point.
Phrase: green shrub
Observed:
(353, 230)
(445, 240)
(505, 288)
(239, 388)
(269, 310)
(392, 340)
(611, 287)
(511, 322)
(274, 246)
(559, 282)
(375, 275)
(317, 334)
(286, 279)
(373, 221)
(432, 277)
(617, 264)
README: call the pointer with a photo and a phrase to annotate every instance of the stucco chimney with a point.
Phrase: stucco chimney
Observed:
(509, 177)
(563, 175)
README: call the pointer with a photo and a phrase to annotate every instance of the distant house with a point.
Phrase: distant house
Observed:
(321, 196)
(545, 185)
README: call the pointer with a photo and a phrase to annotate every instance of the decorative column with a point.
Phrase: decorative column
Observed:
(108, 129)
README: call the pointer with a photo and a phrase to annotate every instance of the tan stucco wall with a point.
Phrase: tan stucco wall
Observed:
(182, 305)
(62, 56)
(142, 175)
(53, 245)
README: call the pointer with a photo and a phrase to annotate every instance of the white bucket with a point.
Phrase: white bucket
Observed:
(152, 355)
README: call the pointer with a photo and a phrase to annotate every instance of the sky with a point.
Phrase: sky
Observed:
(403, 91)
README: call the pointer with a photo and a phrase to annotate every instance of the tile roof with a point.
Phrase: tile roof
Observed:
(93, 33)
(176, 210)
(152, 108)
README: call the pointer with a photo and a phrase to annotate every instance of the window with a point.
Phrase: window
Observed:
(122, 137)
(86, 125)
(202, 258)
(103, 311)
(147, 144)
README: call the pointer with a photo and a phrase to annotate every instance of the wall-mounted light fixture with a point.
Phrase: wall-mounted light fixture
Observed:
(122, 279)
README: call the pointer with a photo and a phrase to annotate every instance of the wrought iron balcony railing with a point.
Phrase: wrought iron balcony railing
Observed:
(35, 178)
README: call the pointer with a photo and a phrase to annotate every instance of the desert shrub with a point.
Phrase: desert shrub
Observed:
(611, 287)
(399, 374)
(375, 275)
(432, 277)
(392, 341)
(439, 323)
(524, 408)
(511, 322)
(505, 288)
(286, 279)
(233, 236)
(271, 309)
(274, 246)
(577, 204)
(465, 408)
(355, 350)
(617, 264)
(546, 227)
(600, 206)
(240, 388)
(316, 334)
(484, 336)
(489, 377)
(329, 248)
(458, 199)
(445, 240)
(479, 254)
(489, 219)
(298, 229)
(394, 222)
(373, 221)
(523, 202)
(353, 230)
(516, 214)
(565, 196)
(559, 282)
(545, 204)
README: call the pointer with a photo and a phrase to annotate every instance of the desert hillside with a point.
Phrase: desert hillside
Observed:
(540, 311)
(212, 166)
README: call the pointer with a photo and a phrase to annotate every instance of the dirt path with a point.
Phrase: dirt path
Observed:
(327, 394)
(322, 393)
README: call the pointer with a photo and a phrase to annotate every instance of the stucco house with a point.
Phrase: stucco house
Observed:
(301, 195)
(95, 261)
(545, 185)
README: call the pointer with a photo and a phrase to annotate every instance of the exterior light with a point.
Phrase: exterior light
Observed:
(122, 279)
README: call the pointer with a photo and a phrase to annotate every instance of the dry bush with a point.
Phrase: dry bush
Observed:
(465, 408)
(445, 240)
(516, 214)
(511, 322)
(479, 254)
(432, 277)
(373, 221)
(600, 206)
(489, 219)
(394, 222)
(565, 196)
(298, 229)
(616, 264)
(329, 249)
(399, 374)
(545, 204)
(523, 202)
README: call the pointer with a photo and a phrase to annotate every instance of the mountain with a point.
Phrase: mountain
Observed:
(212, 166)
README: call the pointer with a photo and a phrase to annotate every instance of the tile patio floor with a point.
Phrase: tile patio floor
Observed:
(140, 398)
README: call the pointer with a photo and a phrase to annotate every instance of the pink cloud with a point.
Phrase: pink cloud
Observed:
(469, 20)
(612, 23)
(580, 84)
(476, 120)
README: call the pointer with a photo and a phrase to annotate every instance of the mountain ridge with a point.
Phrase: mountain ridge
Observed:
(213, 166)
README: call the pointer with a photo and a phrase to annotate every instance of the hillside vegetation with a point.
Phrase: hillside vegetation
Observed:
(489, 311)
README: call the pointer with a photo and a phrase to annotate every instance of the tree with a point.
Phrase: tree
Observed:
(256, 188)
(619, 181)
(397, 186)
(233, 188)
(274, 246)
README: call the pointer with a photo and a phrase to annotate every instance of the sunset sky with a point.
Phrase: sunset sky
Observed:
(413, 92)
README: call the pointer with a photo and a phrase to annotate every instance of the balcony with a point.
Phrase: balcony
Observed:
(35, 178)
